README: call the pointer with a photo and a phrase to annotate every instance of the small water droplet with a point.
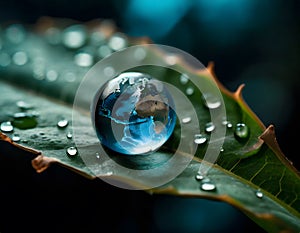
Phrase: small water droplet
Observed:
(83, 59)
(69, 135)
(16, 137)
(199, 139)
(259, 194)
(241, 131)
(6, 127)
(51, 75)
(186, 120)
(199, 177)
(109, 71)
(189, 91)
(184, 79)
(72, 151)
(20, 58)
(97, 155)
(4, 59)
(139, 54)
(70, 76)
(117, 41)
(211, 101)
(229, 125)
(74, 36)
(221, 149)
(208, 186)
(24, 105)
(209, 127)
(62, 123)
(24, 141)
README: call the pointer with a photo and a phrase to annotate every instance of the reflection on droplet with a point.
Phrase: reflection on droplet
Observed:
(184, 79)
(186, 120)
(53, 35)
(4, 59)
(211, 101)
(15, 33)
(139, 54)
(24, 105)
(221, 149)
(209, 127)
(259, 194)
(51, 75)
(20, 58)
(208, 186)
(83, 59)
(199, 177)
(228, 124)
(117, 41)
(69, 135)
(109, 71)
(6, 127)
(72, 151)
(97, 155)
(241, 131)
(74, 36)
(16, 137)
(104, 51)
(189, 91)
(62, 123)
(199, 139)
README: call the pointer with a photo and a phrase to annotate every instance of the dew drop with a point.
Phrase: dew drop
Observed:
(4, 59)
(20, 58)
(208, 186)
(186, 120)
(83, 59)
(51, 75)
(97, 156)
(199, 177)
(199, 139)
(69, 135)
(211, 101)
(117, 41)
(184, 79)
(72, 151)
(16, 137)
(6, 127)
(241, 131)
(209, 127)
(24, 105)
(62, 123)
(189, 91)
(74, 36)
(221, 149)
(259, 194)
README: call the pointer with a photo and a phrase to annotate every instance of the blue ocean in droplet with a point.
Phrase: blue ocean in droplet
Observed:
(134, 114)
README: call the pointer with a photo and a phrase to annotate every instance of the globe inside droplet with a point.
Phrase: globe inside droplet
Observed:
(134, 114)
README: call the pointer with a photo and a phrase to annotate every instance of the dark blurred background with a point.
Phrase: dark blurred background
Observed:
(250, 41)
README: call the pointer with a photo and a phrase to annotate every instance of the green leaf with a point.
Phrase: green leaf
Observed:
(243, 168)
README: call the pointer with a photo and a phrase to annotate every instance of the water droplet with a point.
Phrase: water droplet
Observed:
(209, 127)
(15, 33)
(171, 59)
(4, 59)
(51, 75)
(184, 79)
(221, 149)
(199, 177)
(189, 91)
(139, 54)
(186, 120)
(6, 127)
(104, 51)
(16, 137)
(53, 35)
(117, 41)
(199, 139)
(72, 151)
(69, 135)
(207, 186)
(109, 71)
(74, 36)
(241, 131)
(211, 101)
(83, 59)
(97, 155)
(228, 124)
(62, 123)
(259, 194)
(24, 105)
(20, 58)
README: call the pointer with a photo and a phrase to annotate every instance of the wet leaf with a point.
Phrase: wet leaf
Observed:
(251, 172)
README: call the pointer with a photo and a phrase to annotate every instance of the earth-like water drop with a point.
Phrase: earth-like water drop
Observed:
(134, 114)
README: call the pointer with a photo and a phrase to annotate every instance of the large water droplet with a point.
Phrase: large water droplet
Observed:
(189, 91)
(184, 79)
(211, 101)
(72, 151)
(199, 139)
(6, 127)
(186, 120)
(62, 123)
(134, 114)
(207, 186)
(241, 131)
(74, 36)
(259, 194)
(209, 127)
(16, 137)
(20, 58)
(117, 41)
(83, 59)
